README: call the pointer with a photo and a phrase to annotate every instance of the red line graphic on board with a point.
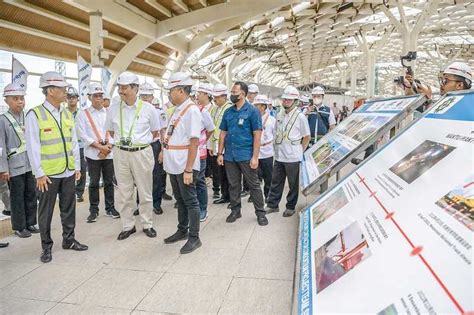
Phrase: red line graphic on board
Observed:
(467, 185)
(416, 250)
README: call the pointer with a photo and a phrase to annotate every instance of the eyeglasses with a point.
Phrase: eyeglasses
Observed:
(443, 81)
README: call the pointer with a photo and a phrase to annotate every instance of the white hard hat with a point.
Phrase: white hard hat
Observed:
(290, 93)
(13, 89)
(304, 98)
(193, 90)
(220, 89)
(95, 88)
(146, 89)
(205, 88)
(253, 88)
(126, 78)
(260, 99)
(179, 79)
(52, 78)
(71, 91)
(461, 69)
(269, 101)
(319, 90)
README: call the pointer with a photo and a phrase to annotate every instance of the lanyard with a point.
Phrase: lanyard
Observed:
(94, 128)
(135, 118)
(173, 125)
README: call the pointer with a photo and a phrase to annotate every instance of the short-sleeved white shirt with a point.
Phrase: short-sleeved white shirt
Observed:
(146, 123)
(268, 135)
(285, 151)
(189, 126)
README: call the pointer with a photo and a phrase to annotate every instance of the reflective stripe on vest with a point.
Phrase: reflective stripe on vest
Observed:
(19, 133)
(283, 132)
(56, 141)
(217, 115)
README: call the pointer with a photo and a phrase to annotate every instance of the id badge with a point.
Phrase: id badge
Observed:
(241, 122)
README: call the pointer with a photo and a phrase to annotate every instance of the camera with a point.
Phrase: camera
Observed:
(410, 56)
(126, 142)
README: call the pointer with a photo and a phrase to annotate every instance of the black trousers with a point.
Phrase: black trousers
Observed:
(216, 179)
(81, 184)
(96, 168)
(282, 171)
(209, 172)
(224, 183)
(188, 204)
(23, 201)
(158, 171)
(235, 170)
(64, 187)
(265, 169)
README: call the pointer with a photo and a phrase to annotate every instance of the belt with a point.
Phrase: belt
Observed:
(132, 149)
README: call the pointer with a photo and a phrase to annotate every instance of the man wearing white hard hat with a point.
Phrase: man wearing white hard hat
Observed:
(181, 160)
(14, 164)
(146, 94)
(219, 176)
(53, 151)
(253, 92)
(292, 139)
(98, 153)
(72, 102)
(133, 124)
(204, 97)
(304, 103)
(456, 77)
(265, 156)
(321, 118)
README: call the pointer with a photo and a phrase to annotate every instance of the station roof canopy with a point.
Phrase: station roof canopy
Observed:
(273, 42)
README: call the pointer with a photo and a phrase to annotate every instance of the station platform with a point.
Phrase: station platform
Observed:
(241, 268)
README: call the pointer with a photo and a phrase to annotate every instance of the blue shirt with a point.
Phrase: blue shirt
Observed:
(240, 125)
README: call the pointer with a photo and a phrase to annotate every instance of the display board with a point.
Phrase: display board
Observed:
(352, 136)
(395, 236)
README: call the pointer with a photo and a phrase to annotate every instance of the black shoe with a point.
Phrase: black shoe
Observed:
(269, 210)
(158, 210)
(178, 236)
(80, 199)
(262, 220)
(191, 245)
(75, 245)
(136, 212)
(3, 245)
(33, 229)
(113, 214)
(23, 233)
(92, 217)
(165, 196)
(356, 161)
(150, 232)
(250, 199)
(233, 216)
(6, 212)
(244, 193)
(220, 201)
(288, 213)
(216, 195)
(125, 234)
(228, 206)
(46, 256)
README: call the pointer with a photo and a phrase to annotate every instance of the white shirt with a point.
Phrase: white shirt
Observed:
(285, 151)
(146, 123)
(162, 120)
(87, 133)
(189, 126)
(268, 134)
(33, 143)
(207, 124)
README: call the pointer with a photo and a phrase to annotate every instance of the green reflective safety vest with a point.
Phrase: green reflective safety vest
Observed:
(19, 133)
(217, 113)
(56, 141)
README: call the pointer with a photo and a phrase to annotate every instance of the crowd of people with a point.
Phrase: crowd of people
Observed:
(236, 138)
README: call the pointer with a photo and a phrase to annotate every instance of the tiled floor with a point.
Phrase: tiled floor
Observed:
(241, 268)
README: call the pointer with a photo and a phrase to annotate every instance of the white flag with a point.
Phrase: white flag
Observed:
(84, 71)
(19, 73)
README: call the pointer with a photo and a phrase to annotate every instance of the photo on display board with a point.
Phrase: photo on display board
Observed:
(332, 159)
(420, 160)
(389, 310)
(329, 206)
(366, 132)
(459, 203)
(339, 255)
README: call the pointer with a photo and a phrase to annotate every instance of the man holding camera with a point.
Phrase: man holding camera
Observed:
(133, 124)
(98, 153)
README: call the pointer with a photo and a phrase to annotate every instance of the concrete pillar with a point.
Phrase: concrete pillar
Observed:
(371, 74)
(97, 34)
(354, 69)
(343, 78)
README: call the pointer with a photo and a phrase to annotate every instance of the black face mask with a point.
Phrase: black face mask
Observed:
(234, 98)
